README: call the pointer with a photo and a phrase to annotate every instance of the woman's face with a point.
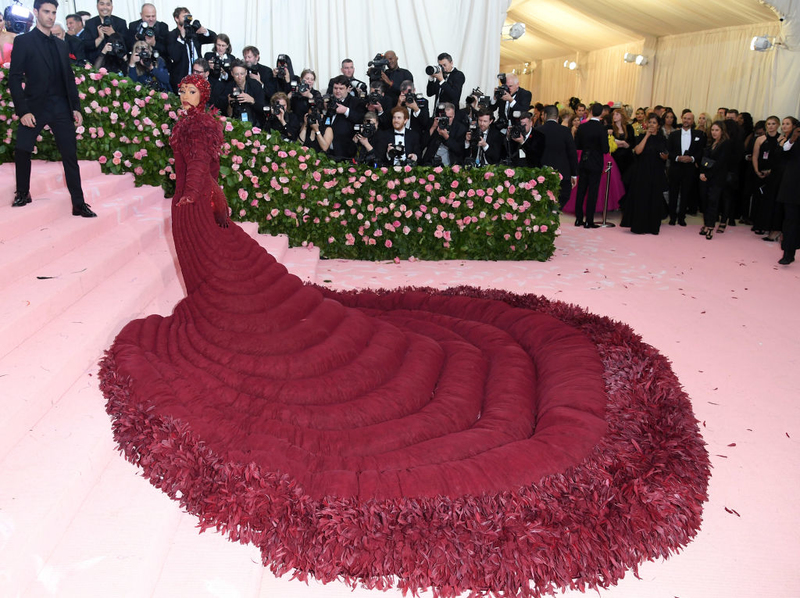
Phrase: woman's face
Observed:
(669, 119)
(640, 115)
(617, 117)
(786, 126)
(576, 120)
(772, 127)
(190, 96)
(222, 47)
(701, 120)
(652, 125)
(716, 132)
(309, 79)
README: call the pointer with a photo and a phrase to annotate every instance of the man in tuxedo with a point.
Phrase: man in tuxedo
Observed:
(74, 44)
(592, 140)
(49, 96)
(140, 29)
(447, 136)
(258, 72)
(487, 145)
(445, 85)
(184, 45)
(389, 143)
(348, 69)
(559, 152)
(419, 117)
(515, 99)
(343, 113)
(97, 33)
(685, 147)
(526, 145)
(394, 76)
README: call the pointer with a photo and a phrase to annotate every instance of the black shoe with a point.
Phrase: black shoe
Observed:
(682, 222)
(21, 200)
(84, 211)
(672, 222)
(785, 261)
(578, 222)
(590, 224)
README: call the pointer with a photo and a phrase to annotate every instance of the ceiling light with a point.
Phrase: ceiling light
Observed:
(628, 57)
(641, 60)
(760, 43)
(513, 32)
(572, 65)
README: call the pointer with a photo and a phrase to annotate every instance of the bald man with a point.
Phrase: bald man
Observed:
(512, 100)
(141, 27)
(394, 76)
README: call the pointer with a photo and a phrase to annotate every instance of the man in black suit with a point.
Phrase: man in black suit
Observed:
(98, 33)
(789, 196)
(447, 136)
(184, 44)
(74, 44)
(419, 117)
(515, 99)
(559, 152)
(526, 143)
(400, 145)
(685, 147)
(394, 76)
(149, 23)
(348, 69)
(242, 98)
(487, 147)
(343, 113)
(592, 140)
(50, 97)
(445, 84)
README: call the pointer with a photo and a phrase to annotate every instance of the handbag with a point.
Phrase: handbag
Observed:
(707, 163)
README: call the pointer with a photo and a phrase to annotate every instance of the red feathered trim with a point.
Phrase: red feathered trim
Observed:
(198, 132)
(637, 496)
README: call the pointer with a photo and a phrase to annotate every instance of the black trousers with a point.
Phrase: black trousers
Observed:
(565, 192)
(58, 115)
(791, 229)
(683, 182)
(588, 180)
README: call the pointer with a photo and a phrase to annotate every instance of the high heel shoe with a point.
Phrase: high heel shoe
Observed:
(703, 231)
(710, 233)
(721, 227)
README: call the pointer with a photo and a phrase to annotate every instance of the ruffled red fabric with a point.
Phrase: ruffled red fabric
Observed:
(465, 441)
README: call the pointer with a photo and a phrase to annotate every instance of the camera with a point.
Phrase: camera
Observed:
(413, 98)
(515, 128)
(277, 108)
(303, 87)
(146, 59)
(18, 19)
(398, 151)
(144, 31)
(432, 70)
(220, 67)
(374, 98)
(281, 64)
(483, 101)
(359, 87)
(376, 67)
(442, 121)
(236, 93)
(106, 22)
(367, 129)
(475, 135)
(191, 26)
(118, 48)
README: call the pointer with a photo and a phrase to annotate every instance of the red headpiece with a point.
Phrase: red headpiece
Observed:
(202, 85)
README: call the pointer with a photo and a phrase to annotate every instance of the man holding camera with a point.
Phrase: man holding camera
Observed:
(243, 97)
(445, 81)
(280, 120)
(377, 102)
(393, 76)
(348, 70)
(184, 44)
(399, 146)
(343, 113)
(258, 72)
(102, 29)
(509, 97)
(419, 118)
(149, 29)
(447, 136)
(484, 142)
(526, 144)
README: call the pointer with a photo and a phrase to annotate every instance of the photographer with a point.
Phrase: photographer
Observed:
(365, 135)
(484, 143)
(343, 112)
(509, 97)
(201, 67)
(303, 93)
(221, 59)
(113, 56)
(149, 29)
(447, 136)
(184, 44)
(280, 119)
(315, 134)
(102, 29)
(357, 88)
(145, 68)
(258, 72)
(401, 145)
(525, 145)
(416, 107)
(283, 74)
(242, 98)
(476, 103)
(445, 81)
(393, 76)
(377, 102)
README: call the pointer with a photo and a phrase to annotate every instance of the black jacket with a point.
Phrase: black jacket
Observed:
(179, 55)
(343, 132)
(254, 112)
(28, 65)
(384, 138)
(493, 153)
(454, 143)
(522, 103)
(530, 152)
(90, 34)
(696, 146)
(449, 90)
(162, 36)
(592, 140)
(559, 150)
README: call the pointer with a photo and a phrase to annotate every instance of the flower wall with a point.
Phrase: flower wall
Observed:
(348, 211)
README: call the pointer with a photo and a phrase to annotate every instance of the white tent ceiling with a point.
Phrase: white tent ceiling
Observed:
(558, 28)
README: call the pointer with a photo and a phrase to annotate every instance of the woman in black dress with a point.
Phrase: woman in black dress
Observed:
(713, 177)
(644, 202)
(624, 138)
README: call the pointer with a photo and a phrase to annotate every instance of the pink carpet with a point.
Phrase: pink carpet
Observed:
(84, 524)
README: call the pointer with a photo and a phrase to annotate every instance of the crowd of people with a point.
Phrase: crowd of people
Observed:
(727, 166)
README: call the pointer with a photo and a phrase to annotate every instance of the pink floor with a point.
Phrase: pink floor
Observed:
(77, 520)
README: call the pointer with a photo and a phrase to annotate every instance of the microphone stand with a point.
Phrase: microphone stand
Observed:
(606, 223)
